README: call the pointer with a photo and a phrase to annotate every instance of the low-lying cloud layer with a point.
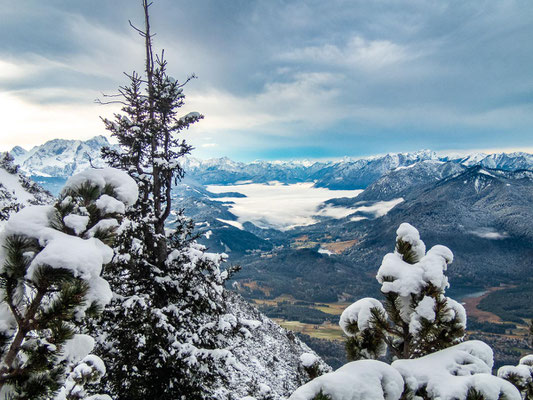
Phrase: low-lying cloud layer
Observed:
(276, 205)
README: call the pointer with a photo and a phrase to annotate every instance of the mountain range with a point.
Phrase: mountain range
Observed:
(479, 205)
(60, 158)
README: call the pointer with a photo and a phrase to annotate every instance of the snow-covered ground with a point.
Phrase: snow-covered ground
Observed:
(280, 206)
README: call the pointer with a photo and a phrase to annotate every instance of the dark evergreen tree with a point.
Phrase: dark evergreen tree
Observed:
(163, 335)
(416, 317)
(50, 263)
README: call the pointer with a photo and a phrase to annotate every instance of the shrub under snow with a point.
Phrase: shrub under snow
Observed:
(521, 375)
(416, 317)
(456, 372)
(358, 380)
(51, 260)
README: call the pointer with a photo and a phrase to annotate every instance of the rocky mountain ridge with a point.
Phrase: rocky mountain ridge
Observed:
(61, 158)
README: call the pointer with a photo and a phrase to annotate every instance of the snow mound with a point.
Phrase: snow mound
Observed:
(409, 234)
(77, 348)
(357, 380)
(521, 375)
(425, 310)
(308, 359)
(83, 256)
(359, 313)
(453, 372)
(527, 360)
(404, 278)
(455, 310)
(123, 185)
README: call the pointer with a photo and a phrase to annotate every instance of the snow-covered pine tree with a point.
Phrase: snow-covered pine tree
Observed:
(51, 258)
(416, 317)
(521, 376)
(163, 334)
(6, 198)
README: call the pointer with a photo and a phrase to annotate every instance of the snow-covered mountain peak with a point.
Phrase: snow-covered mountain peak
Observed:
(60, 157)
(18, 152)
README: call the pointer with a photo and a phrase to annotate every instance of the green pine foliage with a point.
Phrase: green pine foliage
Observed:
(39, 307)
(407, 326)
(322, 396)
(521, 376)
(163, 335)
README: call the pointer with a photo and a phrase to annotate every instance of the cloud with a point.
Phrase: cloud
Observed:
(278, 206)
(302, 100)
(357, 52)
(489, 233)
(26, 124)
(302, 77)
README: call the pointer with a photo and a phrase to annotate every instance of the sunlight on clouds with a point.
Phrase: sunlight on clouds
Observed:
(17, 68)
(27, 124)
(304, 100)
(11, 70)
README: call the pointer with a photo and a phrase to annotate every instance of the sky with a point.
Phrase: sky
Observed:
(281, 79)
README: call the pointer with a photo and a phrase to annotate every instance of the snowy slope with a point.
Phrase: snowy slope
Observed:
(401, 180)
(268, 360)
(16, 190)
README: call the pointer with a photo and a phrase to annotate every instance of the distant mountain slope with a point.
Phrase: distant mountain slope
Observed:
(483, 215)
(402, 180)
(358, 174)
(268, 359)
(17, 190)
(225, 171)
(505, 161)
(61, 158)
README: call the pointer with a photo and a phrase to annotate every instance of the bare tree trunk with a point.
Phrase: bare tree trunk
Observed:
(406, 341)
(160, 239)
(24, 326)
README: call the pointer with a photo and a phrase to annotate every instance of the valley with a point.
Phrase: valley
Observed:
(509, 340)
(310, 237)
